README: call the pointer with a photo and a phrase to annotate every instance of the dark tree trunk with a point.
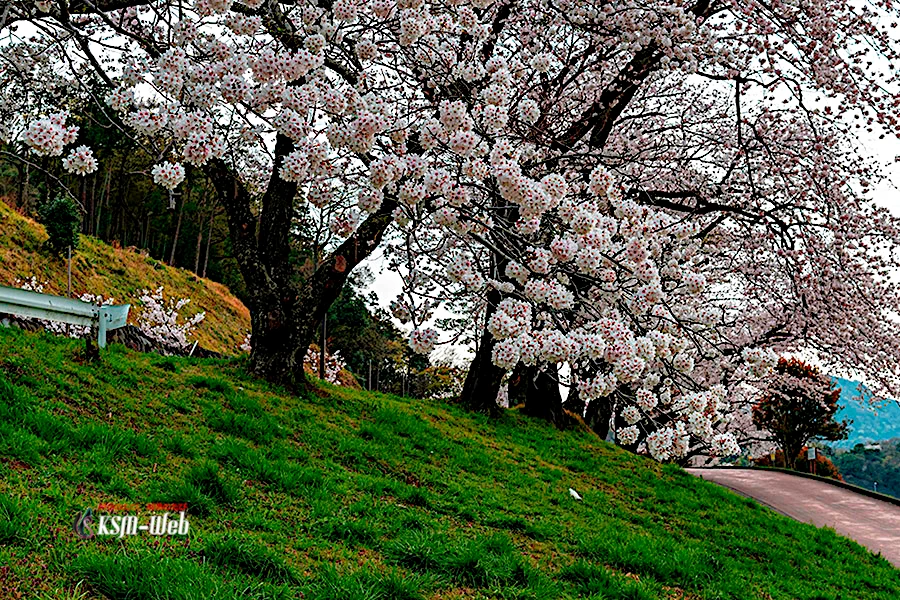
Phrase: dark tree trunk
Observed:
(286, 304)
(598, 414)
(517, 388)
(574, 403)
(483, 380)
(212, 218)
(791, 451)
(197, 247)
(276, 353)
(88, 224)
(184, 199)
(542, 397)
(200, 224)
(21, 179)
(104, 193)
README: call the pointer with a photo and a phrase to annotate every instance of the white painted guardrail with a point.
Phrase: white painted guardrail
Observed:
(24, 303)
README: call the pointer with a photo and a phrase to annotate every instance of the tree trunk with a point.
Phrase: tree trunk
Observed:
(87, 224)
(542, 397)
(574, 403)
(286, 304)
(598, 414)
(184, 199)
(276, 353)
(197, 247)
(791, 451)
(212, 219)
(516, 387)
(483, 380)
(200, 225)
(21, 179)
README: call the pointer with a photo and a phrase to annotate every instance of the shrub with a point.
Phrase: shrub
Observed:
(61, 218)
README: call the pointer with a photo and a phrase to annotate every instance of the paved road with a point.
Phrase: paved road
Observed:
(873, 523)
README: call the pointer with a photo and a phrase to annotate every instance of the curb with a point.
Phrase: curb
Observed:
(849, 486)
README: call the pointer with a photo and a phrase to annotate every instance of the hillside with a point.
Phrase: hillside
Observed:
(864, 468)
(99, 268)
(343, 495)
(868, 425)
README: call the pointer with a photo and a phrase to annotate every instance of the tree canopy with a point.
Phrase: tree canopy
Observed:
(799, 406)
(659, 196)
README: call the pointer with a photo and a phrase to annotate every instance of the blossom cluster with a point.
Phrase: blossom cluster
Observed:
(48, 136)
(161, 319)
(422, 341)
(167, 174)
(334, 364)
(80, 161)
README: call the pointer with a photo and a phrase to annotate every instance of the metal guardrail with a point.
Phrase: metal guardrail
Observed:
(25, 303)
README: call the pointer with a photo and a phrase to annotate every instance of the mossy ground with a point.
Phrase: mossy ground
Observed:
(344, 495)
(99, 268)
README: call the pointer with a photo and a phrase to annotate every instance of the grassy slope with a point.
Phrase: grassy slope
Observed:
(349, 496)
(99, 268)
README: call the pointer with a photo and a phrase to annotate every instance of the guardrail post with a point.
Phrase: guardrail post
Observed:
(101, 328)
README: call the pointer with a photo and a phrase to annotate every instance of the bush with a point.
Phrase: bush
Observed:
(62, 220)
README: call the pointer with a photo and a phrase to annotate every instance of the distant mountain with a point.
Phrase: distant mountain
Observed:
(868, 425)
(868, 467)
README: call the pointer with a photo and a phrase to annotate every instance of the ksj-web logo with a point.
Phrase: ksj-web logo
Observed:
(89, 524)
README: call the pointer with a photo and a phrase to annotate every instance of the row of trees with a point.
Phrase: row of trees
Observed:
(121, 205)
(376, 352)
(658, 196)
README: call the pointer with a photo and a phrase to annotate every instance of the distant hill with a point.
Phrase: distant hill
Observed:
(866, 467)
(868, 425)
(99, 268)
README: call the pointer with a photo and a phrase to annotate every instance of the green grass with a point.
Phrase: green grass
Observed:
(342, 495)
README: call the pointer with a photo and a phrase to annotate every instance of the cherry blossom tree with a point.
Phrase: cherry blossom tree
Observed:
(659, 194)
(732, 132)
